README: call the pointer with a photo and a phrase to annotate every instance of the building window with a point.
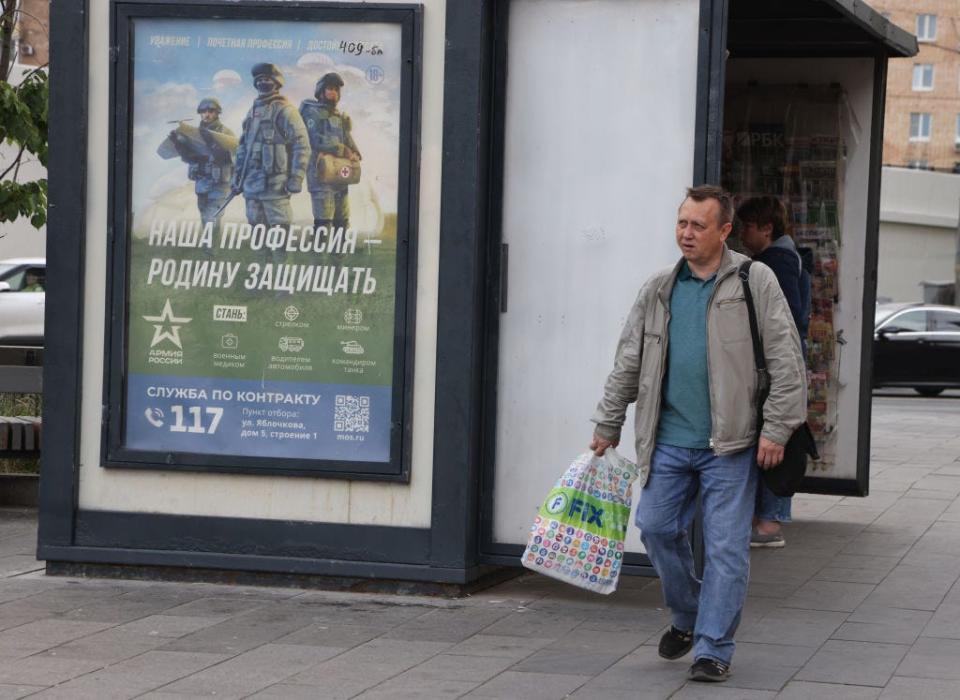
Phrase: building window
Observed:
(926, 27)
(923, 76)
(920, 126)
(956, 136)
(917, 164)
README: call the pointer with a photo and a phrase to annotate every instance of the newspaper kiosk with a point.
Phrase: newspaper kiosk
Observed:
(236, 383)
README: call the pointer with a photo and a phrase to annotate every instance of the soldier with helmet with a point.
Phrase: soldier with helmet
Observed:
(213, 175)
(208, 152)
(335, 158)
(273, 151)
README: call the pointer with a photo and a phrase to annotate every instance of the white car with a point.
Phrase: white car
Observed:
(22, 301)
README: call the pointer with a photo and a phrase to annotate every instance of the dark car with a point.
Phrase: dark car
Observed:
(918, 346)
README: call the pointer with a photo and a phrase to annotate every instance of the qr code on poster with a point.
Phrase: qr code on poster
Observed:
(351, 414)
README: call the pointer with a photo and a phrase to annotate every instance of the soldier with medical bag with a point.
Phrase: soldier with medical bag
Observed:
(335, 158)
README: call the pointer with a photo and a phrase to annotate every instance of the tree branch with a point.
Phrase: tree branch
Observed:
(7, 27)
(14, 164)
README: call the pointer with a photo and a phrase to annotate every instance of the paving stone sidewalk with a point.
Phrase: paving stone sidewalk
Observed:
(863, 603)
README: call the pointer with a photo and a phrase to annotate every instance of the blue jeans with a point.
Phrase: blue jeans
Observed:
(770, 506)
(727, 485)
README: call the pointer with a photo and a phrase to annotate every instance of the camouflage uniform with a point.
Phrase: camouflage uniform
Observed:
(275, 142)
(330, 132)
(212, 181)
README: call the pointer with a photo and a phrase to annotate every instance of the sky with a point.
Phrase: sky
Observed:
(176, 63)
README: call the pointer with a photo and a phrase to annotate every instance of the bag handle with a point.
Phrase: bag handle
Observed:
(759, 359)
(810, 446)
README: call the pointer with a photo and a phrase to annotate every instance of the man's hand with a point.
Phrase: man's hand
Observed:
(769, 454)
(599, 445)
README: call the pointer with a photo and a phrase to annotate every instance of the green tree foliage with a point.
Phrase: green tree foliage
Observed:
(23, 129)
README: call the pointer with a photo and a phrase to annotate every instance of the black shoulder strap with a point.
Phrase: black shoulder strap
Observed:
(758, 357)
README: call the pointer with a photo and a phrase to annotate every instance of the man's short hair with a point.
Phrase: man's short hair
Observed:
(702, 193)
(762, 211)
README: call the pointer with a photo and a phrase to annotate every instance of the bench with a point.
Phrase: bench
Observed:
(21, 372)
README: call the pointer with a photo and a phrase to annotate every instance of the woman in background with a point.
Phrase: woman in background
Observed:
(763, 222)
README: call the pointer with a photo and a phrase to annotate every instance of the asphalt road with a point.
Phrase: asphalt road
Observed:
(908, 400)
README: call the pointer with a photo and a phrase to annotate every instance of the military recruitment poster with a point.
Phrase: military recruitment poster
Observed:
(265, 270)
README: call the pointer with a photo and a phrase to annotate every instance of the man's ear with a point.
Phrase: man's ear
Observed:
(725, 231)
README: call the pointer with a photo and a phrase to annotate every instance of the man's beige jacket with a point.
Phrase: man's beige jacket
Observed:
(641, 362)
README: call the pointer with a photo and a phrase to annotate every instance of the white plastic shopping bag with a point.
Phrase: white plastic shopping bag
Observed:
(577, 536)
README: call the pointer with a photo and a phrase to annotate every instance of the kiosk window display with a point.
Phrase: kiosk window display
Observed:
(789, 141)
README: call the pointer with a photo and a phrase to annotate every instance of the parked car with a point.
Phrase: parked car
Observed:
(918, 346)
(22, 301)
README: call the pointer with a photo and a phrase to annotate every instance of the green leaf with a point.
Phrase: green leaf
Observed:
(23, 125)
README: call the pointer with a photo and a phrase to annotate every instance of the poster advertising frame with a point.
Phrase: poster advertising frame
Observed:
(275, 415)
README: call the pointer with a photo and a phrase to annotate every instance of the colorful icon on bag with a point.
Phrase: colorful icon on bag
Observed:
(556, 503)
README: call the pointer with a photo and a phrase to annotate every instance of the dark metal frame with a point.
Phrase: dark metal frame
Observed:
(115, 453)
(66, 239)
(860, 486)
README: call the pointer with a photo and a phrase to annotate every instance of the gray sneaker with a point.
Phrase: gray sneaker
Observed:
(758, 539)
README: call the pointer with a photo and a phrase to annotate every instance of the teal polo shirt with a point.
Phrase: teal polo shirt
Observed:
(685, 409)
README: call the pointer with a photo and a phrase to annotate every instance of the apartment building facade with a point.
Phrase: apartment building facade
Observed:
(33, 35)
(922, 123)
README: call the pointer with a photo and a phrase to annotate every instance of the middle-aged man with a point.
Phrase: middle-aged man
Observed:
(685, 356)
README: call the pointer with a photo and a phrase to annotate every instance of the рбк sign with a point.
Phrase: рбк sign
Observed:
(263, 202)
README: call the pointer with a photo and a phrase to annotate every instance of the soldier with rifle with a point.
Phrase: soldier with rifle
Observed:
(209, 152)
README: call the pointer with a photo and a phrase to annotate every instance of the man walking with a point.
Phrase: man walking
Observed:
(685, 357)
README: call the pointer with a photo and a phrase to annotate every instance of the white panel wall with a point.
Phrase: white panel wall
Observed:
(856, 76)
(911, 254)
(282, 498)
(601, 102)
(918, 231)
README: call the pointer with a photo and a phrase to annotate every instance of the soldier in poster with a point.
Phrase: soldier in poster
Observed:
(334, 158)
(277, 338)
(214, 174)
(273, 152)
(208, 152)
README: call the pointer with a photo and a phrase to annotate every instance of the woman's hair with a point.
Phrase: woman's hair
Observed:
(762, 211)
